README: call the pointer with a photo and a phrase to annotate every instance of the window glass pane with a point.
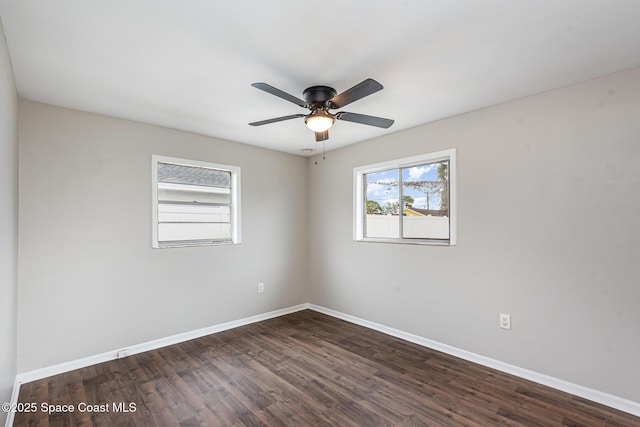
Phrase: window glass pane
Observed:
(382, 204)
(410, 200)
(425, 194)
(194, 204)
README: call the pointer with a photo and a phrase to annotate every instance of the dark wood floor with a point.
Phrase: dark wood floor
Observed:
(303, 369)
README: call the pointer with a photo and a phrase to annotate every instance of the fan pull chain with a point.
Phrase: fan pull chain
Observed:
(324, 150)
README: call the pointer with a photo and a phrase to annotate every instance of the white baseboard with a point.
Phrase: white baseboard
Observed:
(603, 398)
(575, 389)
(37, 374)
(14, 400)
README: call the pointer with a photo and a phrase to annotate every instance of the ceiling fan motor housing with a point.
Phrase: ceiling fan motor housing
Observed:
(318, 94)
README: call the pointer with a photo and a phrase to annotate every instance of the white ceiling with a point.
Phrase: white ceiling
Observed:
(189, 64)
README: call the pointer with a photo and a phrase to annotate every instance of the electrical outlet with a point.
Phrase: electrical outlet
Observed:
(123, 353)
(260, 287)
(505, 321)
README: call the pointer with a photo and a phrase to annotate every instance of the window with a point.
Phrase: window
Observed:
(194, 203)
(409, 200)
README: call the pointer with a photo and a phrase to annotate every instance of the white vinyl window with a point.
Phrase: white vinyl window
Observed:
(410, 200)
(194, 203)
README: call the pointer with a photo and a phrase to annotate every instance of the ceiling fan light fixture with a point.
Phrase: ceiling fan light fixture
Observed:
(319, 121)
(319, 100)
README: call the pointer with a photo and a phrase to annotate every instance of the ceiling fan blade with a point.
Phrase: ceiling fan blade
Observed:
(277, 119)
(357, 92)
(322, 136)
(364, 119)
(280, 94)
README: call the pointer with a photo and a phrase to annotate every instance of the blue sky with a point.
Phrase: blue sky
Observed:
(383, 186)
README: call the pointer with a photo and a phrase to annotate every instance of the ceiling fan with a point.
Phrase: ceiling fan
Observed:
(321, 99)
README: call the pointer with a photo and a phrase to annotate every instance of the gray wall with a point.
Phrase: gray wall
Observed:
(89, 280)
(8, 224)
(548, 202)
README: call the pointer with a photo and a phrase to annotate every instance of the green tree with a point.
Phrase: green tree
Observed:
(408, 201)
(443, 176)
(373, 207)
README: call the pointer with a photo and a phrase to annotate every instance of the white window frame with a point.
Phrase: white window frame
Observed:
(235, 201)
(359, 198)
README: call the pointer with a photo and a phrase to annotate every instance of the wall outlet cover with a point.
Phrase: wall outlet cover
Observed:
(505, 321)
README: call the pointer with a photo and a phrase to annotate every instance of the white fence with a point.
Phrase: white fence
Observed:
(427, 227)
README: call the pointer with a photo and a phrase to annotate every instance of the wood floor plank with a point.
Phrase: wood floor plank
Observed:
(304, 369)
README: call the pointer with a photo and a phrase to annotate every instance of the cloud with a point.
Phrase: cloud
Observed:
(377, 190)
(419, 202)
(416, 172)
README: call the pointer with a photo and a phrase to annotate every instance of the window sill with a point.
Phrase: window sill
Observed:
(423, 242)
(193, 244)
